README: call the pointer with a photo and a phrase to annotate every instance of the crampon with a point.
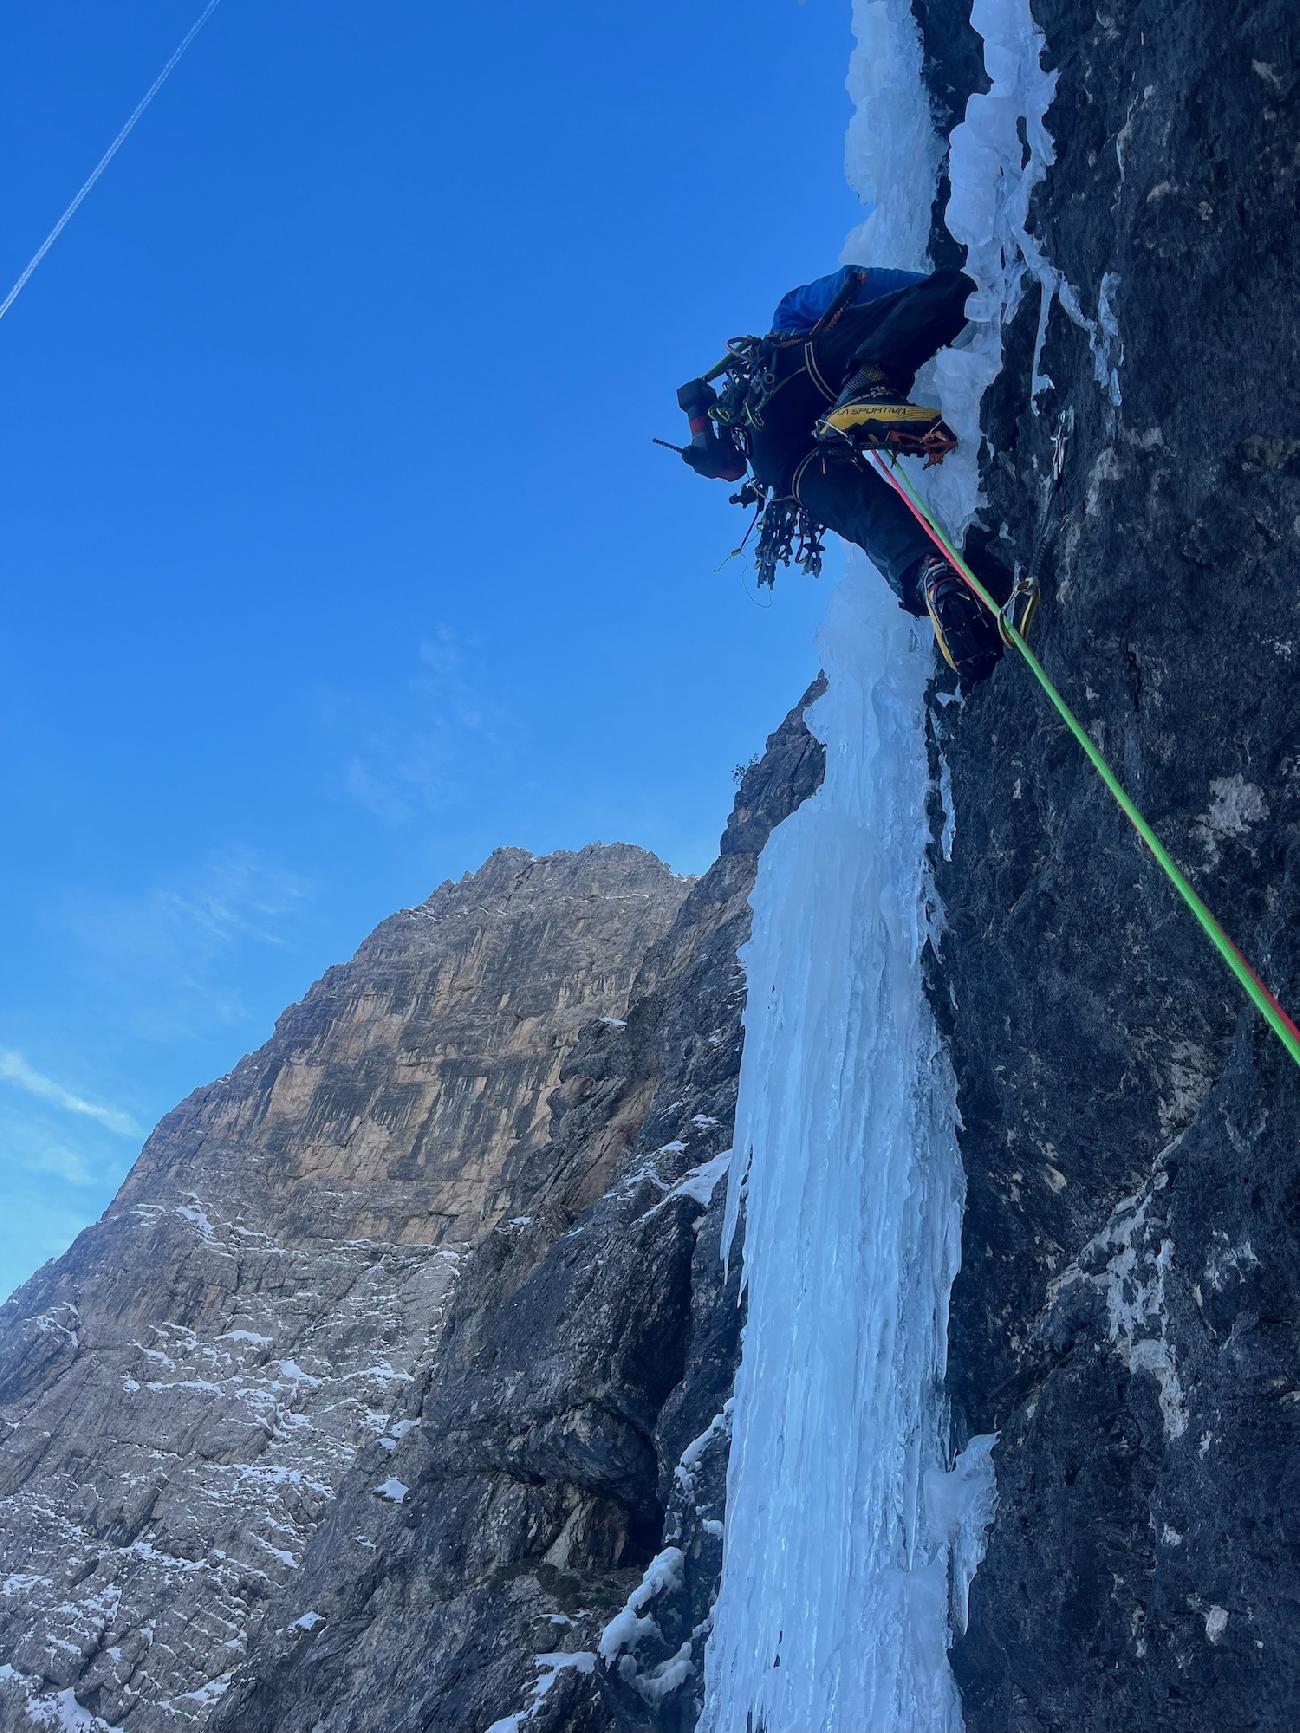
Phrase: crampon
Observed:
(929, 437)
(933, 445)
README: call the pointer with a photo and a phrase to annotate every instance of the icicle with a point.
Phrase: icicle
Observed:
(843, 1523)
(850, 1539)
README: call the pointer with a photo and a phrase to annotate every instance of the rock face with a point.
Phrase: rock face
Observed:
(183, 1392)
(1125, 1314)
(395, 1098)
(370, 1393)
(392, 1391)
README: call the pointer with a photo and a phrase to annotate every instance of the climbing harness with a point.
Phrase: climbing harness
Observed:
(1278, 1020)
(788, 533)
(750, 364)
(750, 372)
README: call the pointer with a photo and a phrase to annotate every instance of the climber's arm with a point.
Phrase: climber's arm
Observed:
(709, 454)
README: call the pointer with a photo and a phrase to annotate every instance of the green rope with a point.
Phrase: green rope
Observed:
(1263, 1000)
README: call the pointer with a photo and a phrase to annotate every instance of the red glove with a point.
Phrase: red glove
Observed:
(719, 460)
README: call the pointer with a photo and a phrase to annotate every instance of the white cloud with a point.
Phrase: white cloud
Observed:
(15, 1069)
(236, 895)
(398, 776)
(170, 959)
(429, 745)
(65, 1164)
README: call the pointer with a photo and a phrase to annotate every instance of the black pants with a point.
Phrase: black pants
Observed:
(900, 332)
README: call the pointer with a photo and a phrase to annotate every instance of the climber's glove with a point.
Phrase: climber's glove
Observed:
(718, 460)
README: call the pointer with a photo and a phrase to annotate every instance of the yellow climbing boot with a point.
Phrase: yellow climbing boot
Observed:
(965, 631)
(874, 413)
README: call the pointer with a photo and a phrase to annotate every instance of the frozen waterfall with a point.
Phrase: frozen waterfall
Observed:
(850, 1535)
(843, 1526)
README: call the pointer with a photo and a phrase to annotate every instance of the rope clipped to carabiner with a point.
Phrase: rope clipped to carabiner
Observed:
(1269, 1008)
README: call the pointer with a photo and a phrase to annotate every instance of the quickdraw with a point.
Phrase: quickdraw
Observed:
(1018, 611)
(788, 536)
(750, 494)
(1277, 1019)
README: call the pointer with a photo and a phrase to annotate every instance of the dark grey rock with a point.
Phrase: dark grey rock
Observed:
(371, 1385)
(1132, 1130)
(448, 1257)
(590, 1342)
(183, 1393)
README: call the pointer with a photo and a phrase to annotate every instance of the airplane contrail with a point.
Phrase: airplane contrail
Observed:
(107, 158)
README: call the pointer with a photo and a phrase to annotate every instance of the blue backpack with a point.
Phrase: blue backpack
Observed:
(803, 307)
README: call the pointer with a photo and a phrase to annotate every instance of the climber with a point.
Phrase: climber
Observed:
(830, 380)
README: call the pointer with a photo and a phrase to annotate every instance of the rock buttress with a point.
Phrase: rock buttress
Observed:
(572, 1427)
(1125, 1311)
(184, 1390)
(371, 1385)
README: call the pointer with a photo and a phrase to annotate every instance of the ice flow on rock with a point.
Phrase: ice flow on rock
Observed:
(850, 1537)
(843, 1525)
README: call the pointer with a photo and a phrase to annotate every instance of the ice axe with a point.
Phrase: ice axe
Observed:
(706, 453)
(696, 398)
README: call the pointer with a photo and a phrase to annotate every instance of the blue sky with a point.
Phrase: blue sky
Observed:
(336, 550)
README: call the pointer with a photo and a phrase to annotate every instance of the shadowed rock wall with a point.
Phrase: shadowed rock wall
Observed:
(1126, 1311)
(372, 1384)
(401, 1364)
(183, 1391)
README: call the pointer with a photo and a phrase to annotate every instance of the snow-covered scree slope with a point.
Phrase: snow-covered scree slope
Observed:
(843, 1525)
(193, 1393)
